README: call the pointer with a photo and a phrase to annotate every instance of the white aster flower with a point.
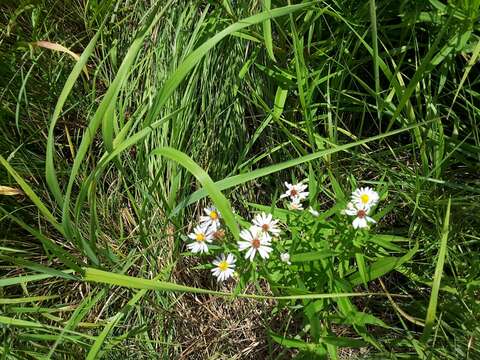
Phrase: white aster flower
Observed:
(313, 211)
(295, 191)
(295, 204)
(361, 212)
(366, 197)
(255, 240)
(266, 223)
(285, 257)
(224, 267)
(201, 235)
(212, 218)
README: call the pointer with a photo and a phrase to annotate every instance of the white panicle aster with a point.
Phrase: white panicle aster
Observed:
(212, 218)
(314, 212)
(285, 257)
(224, 267)
(295, 204)
(266, 223)
(201, 236)
(365, 197)
(255, 240)
(295, 191)
(361, 215)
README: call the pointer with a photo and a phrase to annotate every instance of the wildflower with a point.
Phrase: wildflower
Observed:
(366, 197)
(212, 219)
(224, 267)
(313, 211)
(266, 223)
(285, 257)
(296, 191)
(295, 204)
(361, 212)
(255, 240)
(201, 236)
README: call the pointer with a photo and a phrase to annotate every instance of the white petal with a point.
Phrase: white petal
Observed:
(361, 223)
(356, 223)
(215, 271)
(371, 220)
(250, 254)
(246, 234)
(242, 245)
(263, 251)
(351, 212)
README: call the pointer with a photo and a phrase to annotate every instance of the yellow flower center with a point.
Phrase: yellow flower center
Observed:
(213, 215)
(364, 198)
(200, 237)
(223, 265)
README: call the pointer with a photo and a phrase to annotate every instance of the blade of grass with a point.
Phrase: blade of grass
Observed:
(242, 178)
(218, 198)
(31, 195)
(437, 277)
(194, 58)
(373, 17)
(7, 301)
(106, 103)
(267, 29)
(50, 173)
(105, 277)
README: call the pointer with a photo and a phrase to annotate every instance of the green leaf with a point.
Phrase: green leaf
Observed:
(332, 340)
(362, 270)
(381, 267)
(312, 256)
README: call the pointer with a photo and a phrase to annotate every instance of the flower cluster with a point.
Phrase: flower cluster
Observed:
(296, 193)
(205, 231)
(258, 236)
(362, 202)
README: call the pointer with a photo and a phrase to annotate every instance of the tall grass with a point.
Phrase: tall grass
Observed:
(185, 100)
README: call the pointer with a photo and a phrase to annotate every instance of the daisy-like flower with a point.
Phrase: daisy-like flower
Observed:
(212, 218)
(285, 257)
(266, 223)
(295, 204)
(295, 191)
(366, 197)
(201, 236)
(255, 240)
(224, 267)
(361, 212)
(314, 212)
